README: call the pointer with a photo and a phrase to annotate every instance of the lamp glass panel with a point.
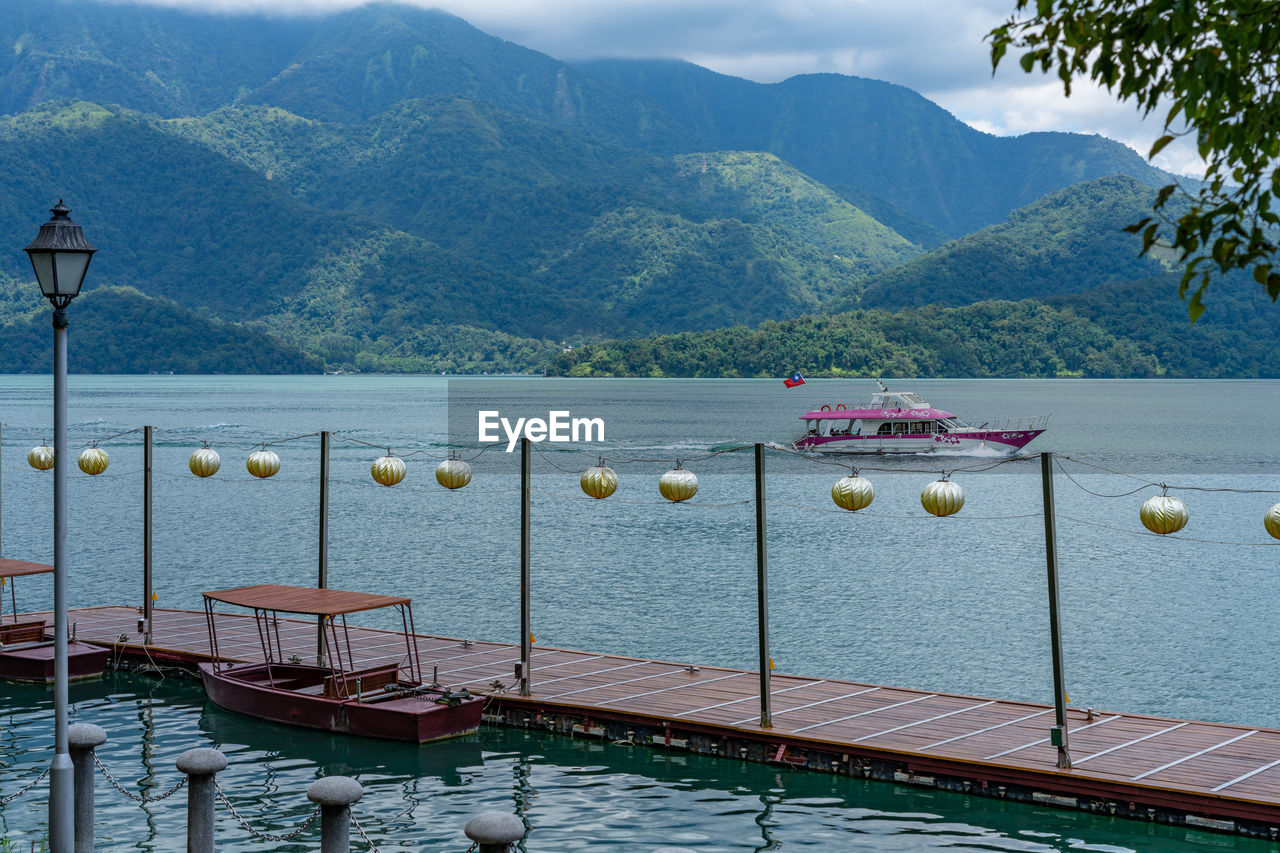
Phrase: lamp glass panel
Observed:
(71, 270)
(42, 263)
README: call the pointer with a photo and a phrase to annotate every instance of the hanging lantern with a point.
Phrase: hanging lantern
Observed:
(263, 463)
(942, 497)
(453, 473)
(205, 462)
(678, 484)
(41, 458)
(1272, 521)
(853, 492)
(93, 460)
(1163, 514)
(599, 481)
(388, 470)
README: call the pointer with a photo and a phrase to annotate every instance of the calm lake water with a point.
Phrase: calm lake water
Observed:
(889, 595)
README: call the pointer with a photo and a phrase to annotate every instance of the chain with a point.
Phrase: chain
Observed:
(475, 845)
(136, 798)
(36, 781)
(360, 830)
(222, 795)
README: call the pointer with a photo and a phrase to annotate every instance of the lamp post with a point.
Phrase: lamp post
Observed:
(60, 255)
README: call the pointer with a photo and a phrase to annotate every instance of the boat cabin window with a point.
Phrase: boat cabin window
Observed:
(885, 429)
(919, 426)
(900, 428)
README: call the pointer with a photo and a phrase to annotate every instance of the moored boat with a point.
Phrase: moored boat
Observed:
(385, 700)
(26, 647)
(903, 422)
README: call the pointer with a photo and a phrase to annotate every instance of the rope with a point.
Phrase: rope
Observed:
(266, 836)
(36, 781)
(1168, 535)
(96, 441)
(1149, 484)
(135, 797)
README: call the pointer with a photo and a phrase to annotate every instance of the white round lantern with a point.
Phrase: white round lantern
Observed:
(263, 463)
(453, 473)
(853, 493)
(942, 497)
(599, 481)
(678, 484)
(40, 458)
(388, 470)
(93, 460)
(1272, 521)
(1163, 514)
(205, 462)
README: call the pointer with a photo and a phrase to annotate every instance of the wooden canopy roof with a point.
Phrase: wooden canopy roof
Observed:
(303, 599)
(18, 568)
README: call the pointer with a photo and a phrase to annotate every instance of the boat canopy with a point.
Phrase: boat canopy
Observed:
(305, 600)
(877, 414)
(20, 568)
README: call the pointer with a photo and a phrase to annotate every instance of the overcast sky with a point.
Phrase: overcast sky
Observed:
(933, 46)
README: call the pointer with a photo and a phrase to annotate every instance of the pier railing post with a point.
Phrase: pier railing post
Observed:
(323, 580)
(148, 444)
(526, 652)
(201, 765)
(82, 739)
(334, 795)
(762, 591)
(1058, 735)
(494, 832)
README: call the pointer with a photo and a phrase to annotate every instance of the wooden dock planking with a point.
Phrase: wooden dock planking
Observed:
(1227, 772)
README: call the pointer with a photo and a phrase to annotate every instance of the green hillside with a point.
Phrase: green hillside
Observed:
(1066, 242)
(107, 323)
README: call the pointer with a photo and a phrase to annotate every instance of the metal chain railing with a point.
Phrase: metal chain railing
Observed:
(36, 781)
(136, 797)
(360, 832)
(265, 836)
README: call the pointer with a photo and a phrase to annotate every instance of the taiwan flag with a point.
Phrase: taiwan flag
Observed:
(793, 380)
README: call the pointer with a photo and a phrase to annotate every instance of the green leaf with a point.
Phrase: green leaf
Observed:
(1156, 149)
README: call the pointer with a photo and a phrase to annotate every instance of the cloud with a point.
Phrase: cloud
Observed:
(935, 47)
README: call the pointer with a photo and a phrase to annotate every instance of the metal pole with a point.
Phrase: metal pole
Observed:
(148, 438)
(1058, 735)
(61, 782)
(1, 497)
(525, 627)
(323, 580)
(762, 591)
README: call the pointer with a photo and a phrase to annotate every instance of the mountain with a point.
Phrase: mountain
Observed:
(177, 340)
(882, 139)
(1069, 241)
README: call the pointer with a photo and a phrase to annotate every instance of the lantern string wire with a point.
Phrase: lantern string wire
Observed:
(643, 503)
(925, 517)
(975, 468)
(1166, 535)
(1146, 484)
(283, 440)
(91, 442)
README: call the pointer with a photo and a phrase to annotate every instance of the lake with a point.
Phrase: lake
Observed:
(1174, 626)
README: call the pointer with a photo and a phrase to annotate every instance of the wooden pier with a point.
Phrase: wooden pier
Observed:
(1204, 775)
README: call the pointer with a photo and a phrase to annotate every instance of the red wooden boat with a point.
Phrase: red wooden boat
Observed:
(388, 700)
(26, 649)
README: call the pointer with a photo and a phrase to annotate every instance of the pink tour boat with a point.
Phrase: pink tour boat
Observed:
(902, 422)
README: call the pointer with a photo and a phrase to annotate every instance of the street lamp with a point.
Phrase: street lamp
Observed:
(60, 255)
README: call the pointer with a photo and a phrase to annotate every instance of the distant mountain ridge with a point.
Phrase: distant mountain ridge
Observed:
(390, 188)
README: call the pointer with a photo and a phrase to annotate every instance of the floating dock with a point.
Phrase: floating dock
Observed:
(1198, 774)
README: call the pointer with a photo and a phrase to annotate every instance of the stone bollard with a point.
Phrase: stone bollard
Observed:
(494, 832)
(334, 795)
(82, 738)
(200, 766)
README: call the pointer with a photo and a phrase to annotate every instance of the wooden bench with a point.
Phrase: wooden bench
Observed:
(371, 679)
(22, 632)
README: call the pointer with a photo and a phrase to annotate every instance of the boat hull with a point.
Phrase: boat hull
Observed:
(411, 719)
(34, 662)
(1006, 442)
